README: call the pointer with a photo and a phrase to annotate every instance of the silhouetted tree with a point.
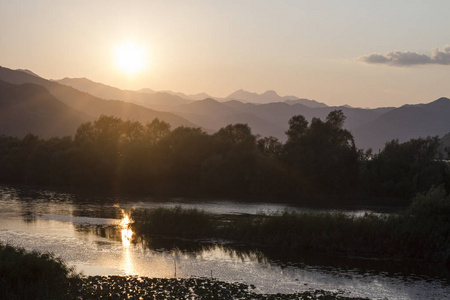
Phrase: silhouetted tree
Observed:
(155, 131)
(231, 168)
(183, 150)
(318, 159)
(404, 169)
(270, 146)
(322, 155)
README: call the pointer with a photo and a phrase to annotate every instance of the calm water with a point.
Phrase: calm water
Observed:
(89, 233)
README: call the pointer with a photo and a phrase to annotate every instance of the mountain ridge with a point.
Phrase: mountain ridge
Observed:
(404, 123)
(270, 96)
(91, 105)
(370, 127)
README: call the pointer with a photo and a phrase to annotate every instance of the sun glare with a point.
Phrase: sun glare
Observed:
(130, 58)
(127, 233)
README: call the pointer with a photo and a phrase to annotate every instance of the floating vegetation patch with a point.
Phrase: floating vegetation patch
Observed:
(132, 287)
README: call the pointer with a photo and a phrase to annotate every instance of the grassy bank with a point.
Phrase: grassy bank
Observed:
(421, 232)
(32, 275)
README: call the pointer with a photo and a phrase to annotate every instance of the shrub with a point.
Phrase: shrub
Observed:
(32, 275)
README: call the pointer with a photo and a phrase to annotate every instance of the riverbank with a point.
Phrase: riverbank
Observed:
(32, 275)
(131, 287)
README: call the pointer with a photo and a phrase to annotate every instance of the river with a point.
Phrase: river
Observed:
(91, 234)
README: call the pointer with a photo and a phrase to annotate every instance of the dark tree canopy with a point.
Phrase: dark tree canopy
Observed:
(404, 169)
(323, 155)
(318, 161)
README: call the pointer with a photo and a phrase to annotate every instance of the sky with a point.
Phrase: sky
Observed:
(360, 53)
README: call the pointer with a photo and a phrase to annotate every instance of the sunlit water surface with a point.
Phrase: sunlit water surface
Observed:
(92, 234)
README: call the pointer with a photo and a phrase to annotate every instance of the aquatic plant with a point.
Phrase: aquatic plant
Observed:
(173, 221)
(129, 287)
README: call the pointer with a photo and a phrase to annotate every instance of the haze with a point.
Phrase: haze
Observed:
(361, 53)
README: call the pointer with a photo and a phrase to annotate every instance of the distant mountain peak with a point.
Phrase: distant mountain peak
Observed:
(266, 97)
(208, 100)
(306, 102)
(271, 93)
(241, 93)
(442, 99)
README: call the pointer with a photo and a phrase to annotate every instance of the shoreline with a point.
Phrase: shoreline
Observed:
(136, 287)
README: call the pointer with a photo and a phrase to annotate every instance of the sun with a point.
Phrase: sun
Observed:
(130, 58)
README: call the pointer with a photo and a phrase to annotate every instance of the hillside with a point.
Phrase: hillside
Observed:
(30, 108)
(153, 100)
(404, 123)
(213, 115)
(91, 105)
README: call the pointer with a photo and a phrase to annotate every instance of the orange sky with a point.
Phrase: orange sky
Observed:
(311, 49)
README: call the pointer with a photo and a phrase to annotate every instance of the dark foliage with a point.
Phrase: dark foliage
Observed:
(32, 275)
(319, 161)
(323, 155)
(401, 170)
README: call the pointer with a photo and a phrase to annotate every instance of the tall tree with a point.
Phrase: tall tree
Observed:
(404, 169)
(322, 155)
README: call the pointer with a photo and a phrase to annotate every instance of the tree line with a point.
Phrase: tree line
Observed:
(319, 160)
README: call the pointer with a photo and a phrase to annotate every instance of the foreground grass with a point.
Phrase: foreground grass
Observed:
(421, 232)
(32, 275)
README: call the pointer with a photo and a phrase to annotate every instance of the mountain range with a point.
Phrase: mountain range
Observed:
(89, 105)
(267, 114)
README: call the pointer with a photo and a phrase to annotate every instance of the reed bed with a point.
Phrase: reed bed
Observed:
(421, 232)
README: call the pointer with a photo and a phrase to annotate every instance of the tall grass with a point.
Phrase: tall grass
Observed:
(32, 275)
(173, 221)
(421, 232)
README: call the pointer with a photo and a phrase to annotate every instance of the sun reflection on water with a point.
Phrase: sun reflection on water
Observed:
(127, 233)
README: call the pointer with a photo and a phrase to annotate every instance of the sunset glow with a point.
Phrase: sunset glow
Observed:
(130, 58)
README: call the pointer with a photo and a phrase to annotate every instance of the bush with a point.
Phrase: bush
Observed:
(433, 204)
(173, 221)
(33, 275)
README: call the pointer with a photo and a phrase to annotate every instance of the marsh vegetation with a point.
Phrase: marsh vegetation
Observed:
(420, 232)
